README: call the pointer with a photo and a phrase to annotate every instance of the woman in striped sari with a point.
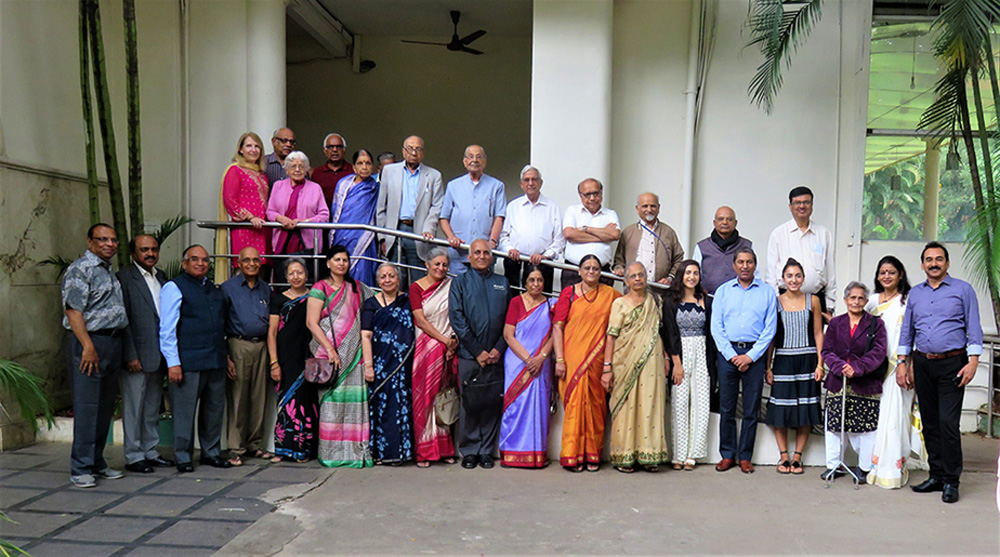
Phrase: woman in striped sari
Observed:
(333, 315)
(524, 429)
(434, 362)
(580, 332)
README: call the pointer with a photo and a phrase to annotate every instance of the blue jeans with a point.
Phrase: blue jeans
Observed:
(730, 380)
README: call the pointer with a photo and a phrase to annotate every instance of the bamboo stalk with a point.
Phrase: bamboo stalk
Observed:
(93, 200)
(135, 209)
(107, 128)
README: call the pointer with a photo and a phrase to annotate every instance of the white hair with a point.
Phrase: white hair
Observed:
(855, 284)
(329, 135)
(525, 170)
(296, 156)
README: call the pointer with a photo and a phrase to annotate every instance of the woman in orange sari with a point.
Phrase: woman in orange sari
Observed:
(434, 362)
(580, 331)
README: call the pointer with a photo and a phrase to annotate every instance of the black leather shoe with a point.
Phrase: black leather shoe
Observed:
(160, 462)
(950, 493)
(486, 461)
(217, 462)
(469, 462)
(832, 473)
(185, 468)
(932, 484)
(141, 467)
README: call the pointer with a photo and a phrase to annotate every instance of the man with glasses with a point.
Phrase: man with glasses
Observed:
(409, 200)
(283, 143)
(95, 318)
(532, 227)
(473, 208)
(589, 228)
(336, 167)
(808, 243)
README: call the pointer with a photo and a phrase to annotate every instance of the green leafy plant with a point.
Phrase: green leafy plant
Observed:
(26, 389)
(60, 263)
(170, 226)
(778, 28)
(6, 547)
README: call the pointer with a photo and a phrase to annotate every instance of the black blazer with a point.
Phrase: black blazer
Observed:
(671, 336)
(142, 336)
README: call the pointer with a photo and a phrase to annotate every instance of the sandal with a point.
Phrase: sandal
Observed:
(625, 469)
(796, 465)
(235, 460)
(423, 464)
(784, 466)
(677, 466)
(575, 469)
(261, 453)
(689, 464)
(448, 460)
(593, 467)
(276, 459)
(652, 468)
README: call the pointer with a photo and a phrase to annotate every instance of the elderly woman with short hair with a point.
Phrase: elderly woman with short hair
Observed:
(295, 200)
(854, 352)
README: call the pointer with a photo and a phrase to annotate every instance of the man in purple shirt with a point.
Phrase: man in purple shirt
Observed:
(942, 333)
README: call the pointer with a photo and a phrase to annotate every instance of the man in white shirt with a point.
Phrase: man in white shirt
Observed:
(533, 227)
(589, 228)
(809, 243)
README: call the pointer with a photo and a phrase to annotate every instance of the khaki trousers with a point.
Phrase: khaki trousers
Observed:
(246, 396)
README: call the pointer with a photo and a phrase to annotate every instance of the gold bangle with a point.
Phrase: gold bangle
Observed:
(560, 361)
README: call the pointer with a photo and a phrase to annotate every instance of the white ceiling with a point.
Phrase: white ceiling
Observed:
(430, 18)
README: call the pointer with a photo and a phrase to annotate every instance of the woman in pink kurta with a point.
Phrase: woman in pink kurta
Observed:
(244, 195)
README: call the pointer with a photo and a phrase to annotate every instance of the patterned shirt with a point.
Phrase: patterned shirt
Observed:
(90, 287)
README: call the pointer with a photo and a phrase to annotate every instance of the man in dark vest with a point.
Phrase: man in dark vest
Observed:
(193, 341)
(715, 253)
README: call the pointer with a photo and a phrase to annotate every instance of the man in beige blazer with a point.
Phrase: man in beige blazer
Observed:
(650, 242)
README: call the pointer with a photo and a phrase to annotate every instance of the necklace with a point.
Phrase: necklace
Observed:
(584, 294)
(384, 302)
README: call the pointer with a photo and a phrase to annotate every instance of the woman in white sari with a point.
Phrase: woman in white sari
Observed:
(895, 437)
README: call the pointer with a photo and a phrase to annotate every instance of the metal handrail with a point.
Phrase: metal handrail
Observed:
(215, 224)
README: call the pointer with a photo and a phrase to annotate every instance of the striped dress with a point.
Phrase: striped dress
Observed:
(794, 398)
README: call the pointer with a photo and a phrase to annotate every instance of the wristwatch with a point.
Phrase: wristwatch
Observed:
(584, 228)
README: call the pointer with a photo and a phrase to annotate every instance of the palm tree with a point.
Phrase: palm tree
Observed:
(777, 27)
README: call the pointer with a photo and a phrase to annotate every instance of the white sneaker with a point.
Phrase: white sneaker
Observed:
(109, 474)
(83, 480)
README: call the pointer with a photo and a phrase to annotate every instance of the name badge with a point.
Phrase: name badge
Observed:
(499, 287)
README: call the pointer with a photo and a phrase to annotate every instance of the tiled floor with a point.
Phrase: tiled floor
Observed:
(162, 513)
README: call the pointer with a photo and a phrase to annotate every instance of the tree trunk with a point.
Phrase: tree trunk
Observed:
(107, 128)
(94, 201)
(136, 221)
(991, 66)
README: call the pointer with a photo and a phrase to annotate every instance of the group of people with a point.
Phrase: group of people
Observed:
(382, 363)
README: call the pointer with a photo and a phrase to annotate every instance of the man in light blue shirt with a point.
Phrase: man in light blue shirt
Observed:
(744, 320)
(474, 207)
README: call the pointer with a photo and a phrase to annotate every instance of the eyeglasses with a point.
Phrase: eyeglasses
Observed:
(413, 150)
(105, 240)
(801, 203)
(476, 157)
(591, 194)
(335, 147)
(285, 141)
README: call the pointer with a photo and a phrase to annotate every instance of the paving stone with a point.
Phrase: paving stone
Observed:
(75, 501)
(10, 496)
(33, 525)
(253, 488)
(164, 550)
(110, 529)
(24, 461)
(129, 484)
(154, 505)
(234, 473)
(290, 475)
(189, 486)
(56, 549)
(52, 449)
(36, 478)
(233, 509)
(206, 533)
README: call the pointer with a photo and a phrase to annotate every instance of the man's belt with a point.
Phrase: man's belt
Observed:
(942, 355)
(741, 345)
(106, 332)
(248, 339)
(407, 222)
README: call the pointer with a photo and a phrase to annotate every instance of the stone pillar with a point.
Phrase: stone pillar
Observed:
(266, 67)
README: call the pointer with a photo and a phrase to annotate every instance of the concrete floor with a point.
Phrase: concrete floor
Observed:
(448, 510)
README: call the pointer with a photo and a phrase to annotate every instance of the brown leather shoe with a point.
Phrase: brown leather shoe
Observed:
(725, 464)
(746, 467)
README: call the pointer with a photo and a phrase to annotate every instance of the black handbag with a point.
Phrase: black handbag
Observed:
(483, 389)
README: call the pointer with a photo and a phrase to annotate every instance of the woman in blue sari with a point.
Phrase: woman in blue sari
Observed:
(387, 338)
(354, 202)
(524, 428)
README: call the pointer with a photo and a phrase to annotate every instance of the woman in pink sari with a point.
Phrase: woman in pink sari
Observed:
(434, 362)
(333, 315)
(243, 198)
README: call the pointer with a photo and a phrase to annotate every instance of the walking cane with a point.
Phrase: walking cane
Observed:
(832, 475)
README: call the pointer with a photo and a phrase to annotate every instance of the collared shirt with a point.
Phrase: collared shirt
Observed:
(470, 209)
(744, 315)
(942, 319)
(532, 228)
(477, 304)
(91, 287)
(813, 249)
(274, 169)
(646, 252)
(578, 216)
(151, 283)
(327, 179)
(411, 187)
(170, 315)
(246, 308)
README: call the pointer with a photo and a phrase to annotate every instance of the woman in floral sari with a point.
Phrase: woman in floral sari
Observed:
(636, 377)
(524, 428)
(288, 345)
(354, 202)
(243, 198)
(434, 362)
(579, 332)
(334, 319)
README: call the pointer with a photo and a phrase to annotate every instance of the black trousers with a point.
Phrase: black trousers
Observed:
(569, 278)
(517, 273)
(481, 391)
(93, 401)
(940, 397)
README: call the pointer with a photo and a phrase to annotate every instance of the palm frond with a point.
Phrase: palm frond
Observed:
(170, 226)
(964, 26)
(6, 547)
(941, 118)
(60, 263)
(778, 28)
(982, 251)
(172, 269)
(26, 388)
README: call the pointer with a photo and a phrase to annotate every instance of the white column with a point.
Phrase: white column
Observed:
(571, 94)
(265, 67)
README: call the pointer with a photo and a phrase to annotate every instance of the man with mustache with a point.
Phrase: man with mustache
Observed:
(142, 379)
(942, 335)
(650, 242)
(283, 142)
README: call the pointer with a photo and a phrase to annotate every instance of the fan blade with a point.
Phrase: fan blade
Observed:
(422, 42)
(473, 36)
(471, 50)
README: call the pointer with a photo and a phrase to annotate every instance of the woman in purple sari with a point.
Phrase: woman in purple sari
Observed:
(524, 428)
(354, 202)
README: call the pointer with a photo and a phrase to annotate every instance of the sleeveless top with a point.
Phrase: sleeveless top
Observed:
(691, 320)
(795, 331)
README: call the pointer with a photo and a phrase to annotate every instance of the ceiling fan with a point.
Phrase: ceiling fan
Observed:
(457, 44)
